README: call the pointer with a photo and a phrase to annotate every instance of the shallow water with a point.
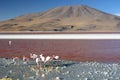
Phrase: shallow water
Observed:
(76, 50)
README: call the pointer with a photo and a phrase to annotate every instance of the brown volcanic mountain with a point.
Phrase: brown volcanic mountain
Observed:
(68, 18)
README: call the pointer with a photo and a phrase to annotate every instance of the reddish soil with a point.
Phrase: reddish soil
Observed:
(76, 50)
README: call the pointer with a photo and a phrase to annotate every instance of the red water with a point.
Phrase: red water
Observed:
(76, 50)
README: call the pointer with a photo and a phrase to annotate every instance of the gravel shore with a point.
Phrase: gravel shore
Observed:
(59, 70)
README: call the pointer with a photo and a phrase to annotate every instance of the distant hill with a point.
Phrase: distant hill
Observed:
(67, 18)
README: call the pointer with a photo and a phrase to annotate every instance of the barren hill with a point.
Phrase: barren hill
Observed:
(67, 18)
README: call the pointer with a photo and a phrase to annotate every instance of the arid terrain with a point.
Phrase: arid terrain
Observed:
(68, 18)
(67, 70)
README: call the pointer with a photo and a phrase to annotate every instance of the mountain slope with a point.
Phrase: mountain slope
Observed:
(67, 18)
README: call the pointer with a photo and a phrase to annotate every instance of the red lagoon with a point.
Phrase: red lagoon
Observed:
(76, 50)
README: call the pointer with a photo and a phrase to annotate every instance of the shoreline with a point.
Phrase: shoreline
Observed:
(61, 70)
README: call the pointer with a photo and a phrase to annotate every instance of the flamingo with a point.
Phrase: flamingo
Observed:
(38, 60)
(33, 56)
(48, 58)
(55, 57)
(15, 60)
(25, 60)
(10, 42)
(42, 57)
(45, 59)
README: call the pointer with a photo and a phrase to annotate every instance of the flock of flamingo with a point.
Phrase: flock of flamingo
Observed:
(38, 59)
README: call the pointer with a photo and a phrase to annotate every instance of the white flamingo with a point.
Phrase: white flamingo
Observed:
(15, 60)
(25, 60)
(36, 58)
(42, 58)
(45, 59)
(48, 58)
(55, 57)
(33, 56)
(38, 61)
(10, 43)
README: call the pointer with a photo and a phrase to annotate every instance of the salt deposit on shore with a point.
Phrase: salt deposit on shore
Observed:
(60, 70)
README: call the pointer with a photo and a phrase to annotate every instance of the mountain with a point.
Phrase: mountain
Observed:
(67, 18)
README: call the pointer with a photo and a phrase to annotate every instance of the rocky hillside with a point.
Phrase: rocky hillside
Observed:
(67, 18)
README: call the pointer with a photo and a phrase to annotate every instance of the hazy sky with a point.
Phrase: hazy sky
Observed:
(12, 8)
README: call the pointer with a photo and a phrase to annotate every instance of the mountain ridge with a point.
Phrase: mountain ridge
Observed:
(63, 7)
(66, 18)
